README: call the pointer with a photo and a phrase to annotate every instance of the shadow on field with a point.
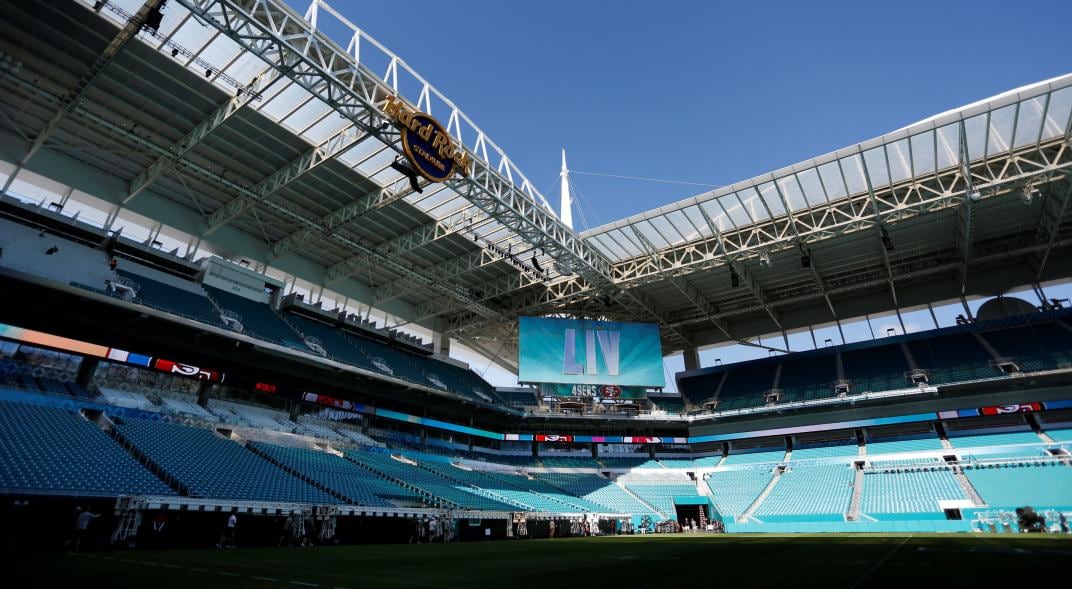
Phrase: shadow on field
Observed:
(695, 561)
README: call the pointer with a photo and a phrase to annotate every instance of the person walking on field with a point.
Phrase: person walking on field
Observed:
(81, 525)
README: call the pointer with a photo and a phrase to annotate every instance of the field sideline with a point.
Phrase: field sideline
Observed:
(761, 560)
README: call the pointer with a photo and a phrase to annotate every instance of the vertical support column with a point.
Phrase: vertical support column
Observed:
(295, 410)
(86, 369)
(424, 436)
(692, 358)
(365, 420)
(595, 450)
(203, 393)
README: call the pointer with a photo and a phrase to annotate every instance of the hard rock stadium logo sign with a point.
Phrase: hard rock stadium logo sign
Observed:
(429, 148)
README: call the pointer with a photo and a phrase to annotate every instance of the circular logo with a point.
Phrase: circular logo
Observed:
(610, 391)
(429, 147)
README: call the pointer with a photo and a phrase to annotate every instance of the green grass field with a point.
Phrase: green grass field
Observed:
(880, 560)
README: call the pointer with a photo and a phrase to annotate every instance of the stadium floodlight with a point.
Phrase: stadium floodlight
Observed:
(975, 196)
(764, 258)
(886, 241)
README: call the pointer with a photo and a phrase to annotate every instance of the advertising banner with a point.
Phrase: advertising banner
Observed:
(596, 391)
(574, 351)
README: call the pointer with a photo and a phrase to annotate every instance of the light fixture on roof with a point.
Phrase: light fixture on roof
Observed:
(208, 73)
(98, 5)
(764, 258)
(735, 280)
(155, 17)
(886, 241)
(805, 257)
(975, 196)
(174, 52)
(536, 264)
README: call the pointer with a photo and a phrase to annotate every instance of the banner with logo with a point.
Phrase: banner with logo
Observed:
(577, 351)
(1014, 408)
(595, 391)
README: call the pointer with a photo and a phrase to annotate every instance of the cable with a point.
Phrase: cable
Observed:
(645, 179)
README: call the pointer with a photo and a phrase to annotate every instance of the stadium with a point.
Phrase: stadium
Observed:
(237, 246)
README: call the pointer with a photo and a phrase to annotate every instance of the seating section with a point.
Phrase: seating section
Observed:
(875, 369)
(744, 386)
(753, 457)
(810, 491)
(211, 466)
(1060, 434)
(953, 357)
(735, 491)
(953, 354)
(911, 490)
(881, 445)
(661, 495)
(597, 490)
(53, 451)
(568, 461)
(1045, 486)
(708, 461)
(176, 301)
(258, 319)
(358, 485)
(808, 378)
(536, 486)
(433, 484)
(843, 450)
(1000, 439)
(677, 463)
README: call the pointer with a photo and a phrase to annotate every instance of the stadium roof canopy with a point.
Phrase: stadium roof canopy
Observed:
(259, 131)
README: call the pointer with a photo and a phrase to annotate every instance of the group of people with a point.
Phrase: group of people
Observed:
(433, 529)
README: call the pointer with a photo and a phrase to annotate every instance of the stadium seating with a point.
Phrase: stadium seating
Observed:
(884, 445)
(813, 490)
(450, 490)
(258, 319)
(175, 301)
(357, 485)
(597, 490)
(734, 491)
(952, 357)
(661, 495)
(211, 466)
(1046, 486)
(907, 490)
(707, 461)
(744, 386)
(50, 450)
(807, 378)
(999, 439)
(535, 485)
(551, 460)
(875, 368)
(736, 458)
(843, 450)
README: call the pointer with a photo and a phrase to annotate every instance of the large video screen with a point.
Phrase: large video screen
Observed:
(590, 352)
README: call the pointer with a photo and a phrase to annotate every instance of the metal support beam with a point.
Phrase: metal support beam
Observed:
(205, 128)
(338, 143)
(1052, 223)
(70, 101)
(405, 243)
(878, 227)
(966, 212)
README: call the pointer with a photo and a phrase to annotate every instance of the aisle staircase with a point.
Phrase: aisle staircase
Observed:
(747, 515)
(857, 491)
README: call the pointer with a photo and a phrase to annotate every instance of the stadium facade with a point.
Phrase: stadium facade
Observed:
(206, 215)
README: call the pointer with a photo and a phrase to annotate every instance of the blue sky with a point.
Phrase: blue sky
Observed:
(707, 92)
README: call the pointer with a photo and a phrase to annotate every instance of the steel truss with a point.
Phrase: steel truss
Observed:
(994, 176)
(339, 80)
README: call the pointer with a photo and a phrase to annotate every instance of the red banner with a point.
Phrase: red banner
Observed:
(1014, 408)
(553, 438)
(187, 370)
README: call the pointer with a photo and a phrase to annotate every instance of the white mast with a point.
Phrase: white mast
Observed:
(566, 203)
